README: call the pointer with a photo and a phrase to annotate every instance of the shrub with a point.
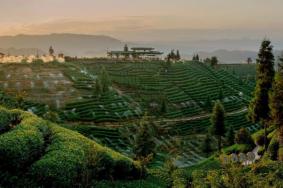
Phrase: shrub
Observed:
(23, 143)
(273, 148)
(238, 148)
(52, 156)
(258, 137)
(243, 136)
(5, 120)
(181, 178)
(82, 159)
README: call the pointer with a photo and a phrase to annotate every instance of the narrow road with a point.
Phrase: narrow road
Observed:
(200, 116)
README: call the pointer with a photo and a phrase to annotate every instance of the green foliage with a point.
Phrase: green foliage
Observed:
(206, 145)
(81, 159)
(164, 105)
(6, 120)
(259, 108)
(52, 116)
(276, 106)
(230, 136)
(243, 136)
(258, 137)
(52, 156)
(273, 148)
(238, 148)
(217, 122)
(98, 87)
(214, 61)
(173, 56)
(195, 57)
(149, 182)
(181, 178)
(23, 143)
(144, 139)
(105, 80)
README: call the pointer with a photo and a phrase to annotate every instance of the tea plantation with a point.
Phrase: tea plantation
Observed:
(97, 144)
(44, 154)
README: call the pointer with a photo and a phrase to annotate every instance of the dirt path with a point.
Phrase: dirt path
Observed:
(256, 156)
(200, 116)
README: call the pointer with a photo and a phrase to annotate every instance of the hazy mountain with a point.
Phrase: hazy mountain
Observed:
(233, 56)
(69, 44)
(226, 56)
(97, 45)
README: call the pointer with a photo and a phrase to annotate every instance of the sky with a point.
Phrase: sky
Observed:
(145, 20)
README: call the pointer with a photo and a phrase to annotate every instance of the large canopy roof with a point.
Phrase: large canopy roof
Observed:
(142, 48)
(135, 53)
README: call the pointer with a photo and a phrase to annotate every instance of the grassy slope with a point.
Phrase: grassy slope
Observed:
(50, 155)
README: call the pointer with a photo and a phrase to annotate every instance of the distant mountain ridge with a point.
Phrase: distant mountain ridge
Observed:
(233, 56)
(69, 44)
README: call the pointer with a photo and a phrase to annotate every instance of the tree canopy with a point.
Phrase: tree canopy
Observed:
(217, 122)
(259, 110)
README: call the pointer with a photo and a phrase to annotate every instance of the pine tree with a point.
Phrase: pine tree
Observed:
(243, 136)
(217, 122)
(259, 111)
(164, 107)
(51, 51)
(178, 56)
(98, 87)
(173, 55)
(214, 61)
(276, 106)
(208, 102)
(126, 50)
(249, 60)
(197, 57)
(105, 80)
(206, 145)
(230, 136)
(220, 95)
(144, 140)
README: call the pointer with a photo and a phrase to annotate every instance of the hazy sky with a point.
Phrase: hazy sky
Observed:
(145, 19)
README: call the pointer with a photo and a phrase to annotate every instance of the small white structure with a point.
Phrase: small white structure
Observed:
(30, 59)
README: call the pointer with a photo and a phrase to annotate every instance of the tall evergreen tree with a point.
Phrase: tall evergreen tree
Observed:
(164, 105)
(217, 122)
(249, 60)
(214, 61)
(178, 56)
(98, 87)
(276, 106)
(105, 80)
(230, 136)
(144, 140)
(197, 57)
(206, 145)
(259, 111)
(126, 50)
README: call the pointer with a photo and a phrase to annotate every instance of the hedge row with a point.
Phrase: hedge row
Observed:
(52, 156)
(23, 143)
(72, 158)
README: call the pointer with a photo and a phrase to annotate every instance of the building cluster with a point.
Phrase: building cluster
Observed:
(51, 57)
(135, 53)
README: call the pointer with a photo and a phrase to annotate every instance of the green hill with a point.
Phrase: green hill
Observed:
(35, 152)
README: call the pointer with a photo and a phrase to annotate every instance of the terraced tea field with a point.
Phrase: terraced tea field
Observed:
(188, 89)
(45, 84)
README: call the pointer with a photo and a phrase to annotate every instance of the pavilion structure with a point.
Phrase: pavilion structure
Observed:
(135, 53)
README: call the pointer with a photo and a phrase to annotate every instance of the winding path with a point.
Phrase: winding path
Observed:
(200, 116)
